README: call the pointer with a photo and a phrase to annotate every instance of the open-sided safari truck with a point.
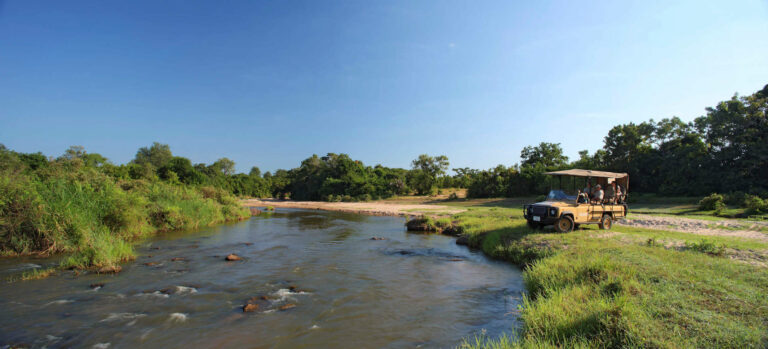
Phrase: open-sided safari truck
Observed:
(566, 212)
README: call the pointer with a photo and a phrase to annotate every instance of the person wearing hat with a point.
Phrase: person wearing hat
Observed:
(597, 195)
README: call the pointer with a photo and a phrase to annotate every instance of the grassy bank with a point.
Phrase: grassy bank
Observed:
(93, 218)
(627, 287)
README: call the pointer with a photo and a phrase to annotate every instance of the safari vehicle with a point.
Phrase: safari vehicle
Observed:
(568, 212)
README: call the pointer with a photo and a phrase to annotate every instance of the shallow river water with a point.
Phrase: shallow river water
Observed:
(347, 290)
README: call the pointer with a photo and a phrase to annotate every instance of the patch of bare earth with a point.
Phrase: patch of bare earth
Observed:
(753, 257)
(698, 226)
(376, 208)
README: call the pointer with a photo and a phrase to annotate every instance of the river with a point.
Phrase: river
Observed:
(317, 278)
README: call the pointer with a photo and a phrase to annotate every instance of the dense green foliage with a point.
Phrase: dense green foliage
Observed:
(724, 151)
(75, 204)
(336, 177)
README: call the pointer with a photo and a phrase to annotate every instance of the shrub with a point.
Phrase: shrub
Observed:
(453, 196)
(21, 215)
(706, 246)
(713, 202)
(755, 204)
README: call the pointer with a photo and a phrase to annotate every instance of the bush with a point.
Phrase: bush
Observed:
(755, 205)
(706, 246)
(453, 196)
(713, 202)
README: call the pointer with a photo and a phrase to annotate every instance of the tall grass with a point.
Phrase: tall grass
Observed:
(94, 218)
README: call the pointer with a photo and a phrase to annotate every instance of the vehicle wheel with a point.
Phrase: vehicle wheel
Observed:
(606, 222)
(564, 224)
(534, 225)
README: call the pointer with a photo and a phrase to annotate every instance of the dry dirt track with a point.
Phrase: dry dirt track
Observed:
(729, 227)
(372, 208)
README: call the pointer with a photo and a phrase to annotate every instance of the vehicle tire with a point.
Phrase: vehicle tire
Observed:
(564, 224)
(534, 225)
(606, 223)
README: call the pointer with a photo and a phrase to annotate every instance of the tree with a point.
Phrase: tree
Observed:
(255, 172)
(157, 155)
(426, 170)
(225, 166)
(545, 154)
(78, 152)
(74, 152)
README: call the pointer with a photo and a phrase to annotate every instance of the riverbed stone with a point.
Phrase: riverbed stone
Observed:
(110, 269)
(250, 307)
(463, 240)
(232, 257)
(287, 306)
(178, 259)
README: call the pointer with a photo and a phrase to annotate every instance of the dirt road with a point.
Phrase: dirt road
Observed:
(729, 227)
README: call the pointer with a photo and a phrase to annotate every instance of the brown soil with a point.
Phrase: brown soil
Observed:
(733, 228)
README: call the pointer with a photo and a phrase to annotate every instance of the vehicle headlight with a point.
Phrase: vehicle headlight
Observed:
(553, 212)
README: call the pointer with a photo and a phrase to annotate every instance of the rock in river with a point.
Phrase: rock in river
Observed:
(288, 306)
(250, 307)
(110, 269)
(463, 240)
(233, 257)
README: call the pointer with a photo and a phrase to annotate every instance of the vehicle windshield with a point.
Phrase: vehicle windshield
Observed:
(559, 195)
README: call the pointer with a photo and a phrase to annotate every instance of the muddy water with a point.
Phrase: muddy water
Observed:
(337, 287)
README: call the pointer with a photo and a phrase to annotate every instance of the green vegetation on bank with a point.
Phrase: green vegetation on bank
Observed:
(627, 287)
(75, 205)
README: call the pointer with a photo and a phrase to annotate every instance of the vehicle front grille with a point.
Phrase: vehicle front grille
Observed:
(539, 210)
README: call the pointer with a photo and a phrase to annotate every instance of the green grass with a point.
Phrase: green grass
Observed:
(685, 207)
(94, 220)
(625, 288)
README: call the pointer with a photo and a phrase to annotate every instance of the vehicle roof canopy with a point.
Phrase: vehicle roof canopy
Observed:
(603, 178)
(587, 173)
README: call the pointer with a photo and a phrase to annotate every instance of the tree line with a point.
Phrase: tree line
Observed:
(725, 150)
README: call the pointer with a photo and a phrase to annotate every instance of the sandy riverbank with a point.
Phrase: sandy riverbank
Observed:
(376, 208)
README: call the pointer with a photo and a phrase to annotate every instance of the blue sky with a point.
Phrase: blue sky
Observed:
(270, 83)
